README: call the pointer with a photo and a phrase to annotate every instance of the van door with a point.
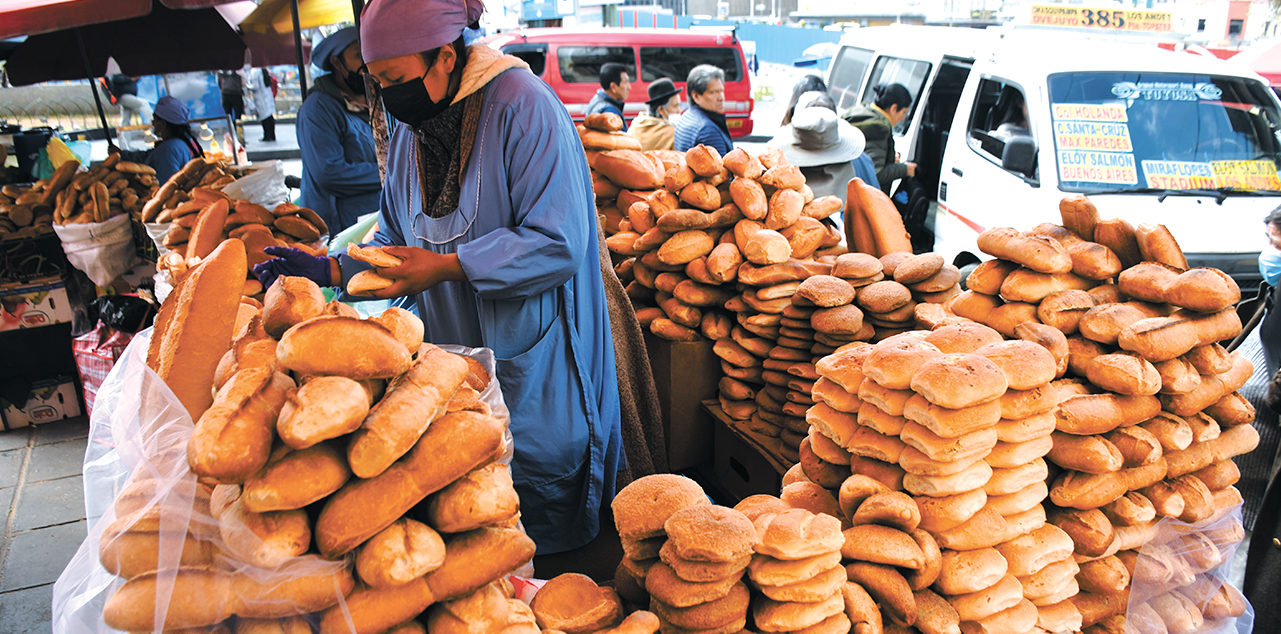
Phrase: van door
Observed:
(936, 121)
(845, 81)
(991, 148)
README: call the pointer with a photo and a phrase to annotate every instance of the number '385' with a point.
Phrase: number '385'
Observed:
(1105, 19)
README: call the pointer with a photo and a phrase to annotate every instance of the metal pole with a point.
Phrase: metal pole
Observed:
(235, 150)
(356, 7)
(102, 115)
(302, 66)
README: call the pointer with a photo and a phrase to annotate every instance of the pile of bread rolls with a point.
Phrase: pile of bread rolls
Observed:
(339, 468)
(687, 226)
(200, 216)
(71, 196)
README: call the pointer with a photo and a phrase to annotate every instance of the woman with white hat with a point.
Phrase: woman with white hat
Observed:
(821, 145)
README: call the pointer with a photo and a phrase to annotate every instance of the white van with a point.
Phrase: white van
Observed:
(1151, 136)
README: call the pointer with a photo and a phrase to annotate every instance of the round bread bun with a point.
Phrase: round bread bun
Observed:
(812, 497)
(1028, 554)
(290, 301)
(1020, 618)
(945, 513)
(855, 490)
(574, 604)
(970, 570)
(642, 507)
(826, 291)
(1063, 617)
(985, 529)
(1050, 578)
(642, 548)
(839, 320)
(913, 461)
(754, 506)
(816, 588)
(1007, 481)
(1050, 339)
(701, 571)
(890, 261)
(1019, 501)
(400, 553)
(973, 477)
(706, 616)
(768, 571)
(1025, 429)
(917, 268)
(978, 605)
(662, 583)
(894, 363)
(963, 448)
(946, 279)
(639, 568)
(966, 336)
(826, 449)
(1026, 365)
(959, 380)
(1016, 404)
(884, 297)
(891, 508)
(853, 266)
(789, 616)
(708, 532)
(406, 326)
(797, 534)
(952, 423)
(1013, 454)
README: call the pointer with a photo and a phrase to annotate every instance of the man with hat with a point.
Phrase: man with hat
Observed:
(821, 145)
(488, 202)
(654, 128)
(340, 179)
(176, 145)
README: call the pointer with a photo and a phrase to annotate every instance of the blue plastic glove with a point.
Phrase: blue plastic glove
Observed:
(295, 263)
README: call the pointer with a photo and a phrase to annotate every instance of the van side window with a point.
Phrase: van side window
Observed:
(533, 54)
(893, 70)
(1000, 113)
(675, 62)
(847, 75)
(581, 64)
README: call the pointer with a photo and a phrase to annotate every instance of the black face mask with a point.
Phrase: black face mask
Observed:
(411, 104)
(355, 83)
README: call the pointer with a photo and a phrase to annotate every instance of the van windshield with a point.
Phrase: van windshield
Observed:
(1138, 132)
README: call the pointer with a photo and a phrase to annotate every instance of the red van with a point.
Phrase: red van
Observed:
(569, 60)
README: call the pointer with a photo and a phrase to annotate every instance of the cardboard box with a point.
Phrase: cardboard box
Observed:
(685, 373)
(48, 401)
(741, 468)
(31, 305)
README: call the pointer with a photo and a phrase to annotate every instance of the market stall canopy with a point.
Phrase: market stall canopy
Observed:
(163, 41)
(265, 49)
(1263, 58)
(32, 17)
(274, 14)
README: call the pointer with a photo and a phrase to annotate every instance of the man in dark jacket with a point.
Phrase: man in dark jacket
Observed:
(612, 94)
(704, 121)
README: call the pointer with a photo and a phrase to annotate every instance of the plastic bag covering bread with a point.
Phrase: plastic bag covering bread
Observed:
(137, 446)
(1181, 558)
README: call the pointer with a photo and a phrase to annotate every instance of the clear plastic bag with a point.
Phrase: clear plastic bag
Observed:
(264, 184)
(1185, 566)
(138, 446)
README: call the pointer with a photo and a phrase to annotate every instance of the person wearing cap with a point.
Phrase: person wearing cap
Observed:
(654, 129)
(340, 180)
(488, 201)
(176, 145)
(827, 150)
(704, 122)
(613, 91)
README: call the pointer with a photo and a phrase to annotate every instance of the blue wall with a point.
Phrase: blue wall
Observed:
(775, 44)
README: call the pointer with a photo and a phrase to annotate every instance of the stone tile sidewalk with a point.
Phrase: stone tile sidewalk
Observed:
(42, 518)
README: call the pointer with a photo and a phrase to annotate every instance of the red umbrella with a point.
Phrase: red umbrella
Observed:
(32, 17)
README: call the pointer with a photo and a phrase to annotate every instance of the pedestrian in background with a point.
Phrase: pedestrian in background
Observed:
(876, 121)
(262, 87)
(822, 145)
(704, 121)
(654, 128)
(125, 89)
(808, 83)
(339, 166)
(231, 84)
(615, 85)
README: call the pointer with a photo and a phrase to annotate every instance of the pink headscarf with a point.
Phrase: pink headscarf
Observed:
(391, 28)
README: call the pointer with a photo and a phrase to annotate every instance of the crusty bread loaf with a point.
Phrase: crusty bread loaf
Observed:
(326, 407)
(1084, 414)
(475, 558)
(1157, 244)
(1202, 289)
(1037, 252)
(264, 540)
(630, 169)
(200, 597)
(294, 479)
(482, 497)
(453, 445)
(412, 402)
(374, 610)
(194, 327)
(232, 439)
(290, 301)
(1078, 490)
(341, 346)
(400, 553)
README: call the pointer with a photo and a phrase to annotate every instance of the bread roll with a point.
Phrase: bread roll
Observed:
(347, 519)
(232, 439)
(945, 513)
(1079, 490)
(1039, 253)
(400, 553)
(1025, 364)
(199, 598)
(1028, 554)
(1124, 374)
(797, 533)
(882, 545)
(1101, 413)
(644, 506)
(984, 529)
(290, 301)
(940, 380)
(341, 346)
(1157, 244)
(294, 479)
(970, 571)
(574, 604)
(981, 604)
(264, 540)
(326, 407)
(887, 587)
(482, 497)
(630, 169)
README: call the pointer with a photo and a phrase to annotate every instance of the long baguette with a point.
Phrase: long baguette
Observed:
(195, 326)
(452, 446)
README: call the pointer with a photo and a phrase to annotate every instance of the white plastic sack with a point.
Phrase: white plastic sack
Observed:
(103, 250)
(264, 185)
(157, 232)
(139, 432)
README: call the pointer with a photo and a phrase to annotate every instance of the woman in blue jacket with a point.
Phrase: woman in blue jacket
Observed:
(176, 146)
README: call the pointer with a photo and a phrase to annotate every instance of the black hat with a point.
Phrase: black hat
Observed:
(661, 89)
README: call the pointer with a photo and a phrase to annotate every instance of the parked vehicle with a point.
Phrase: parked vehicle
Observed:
(1150, 135)
(569, 60)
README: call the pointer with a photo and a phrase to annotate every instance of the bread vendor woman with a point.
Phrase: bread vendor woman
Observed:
(489, 202)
